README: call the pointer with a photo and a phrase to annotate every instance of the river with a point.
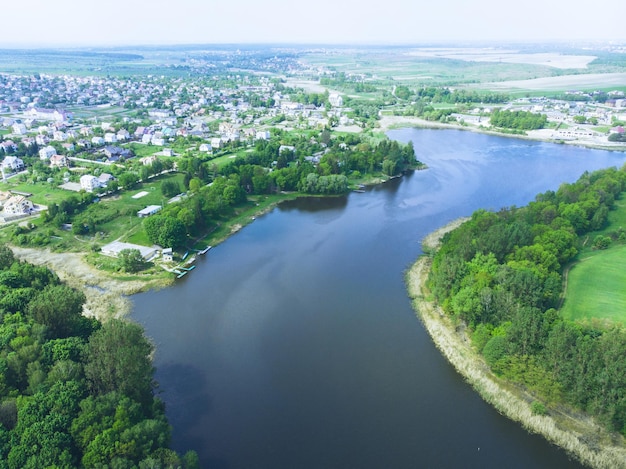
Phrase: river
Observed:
(293, 344)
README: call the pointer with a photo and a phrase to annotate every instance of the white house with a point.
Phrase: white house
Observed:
(18, 205)
(123, 135)
(97, 141)
(110, 137)
(89, 182)
(47, 152)
(19, 129)
(41, 139)
(216, 142)
(12, 164)
(206, 147)
(263, 135)
(59, 136)
(335, 100)
(146, 138)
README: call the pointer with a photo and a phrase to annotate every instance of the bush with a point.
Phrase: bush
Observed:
(496, 348)
(538, 408)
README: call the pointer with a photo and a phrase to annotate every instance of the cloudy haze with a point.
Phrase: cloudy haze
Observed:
(116, 22)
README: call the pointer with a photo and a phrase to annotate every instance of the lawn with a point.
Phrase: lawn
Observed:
(43, 193)
(596, 287)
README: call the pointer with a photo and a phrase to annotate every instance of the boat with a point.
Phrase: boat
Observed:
(204, 251)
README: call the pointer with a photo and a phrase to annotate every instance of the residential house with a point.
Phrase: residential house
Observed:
(89, 182)
(123, 135)
(19, 129)
(47, 152)
(59, 136)
(58, 161)
(86, 131)
(146, 138)
(263, 135)
(335, 100)
(12, 164)
(8, 146)
(114, 153)
(97, 141)
(18, 205)
(216, 142)
(206, 147)
(105, 178)
(42, 140)
(110, 137)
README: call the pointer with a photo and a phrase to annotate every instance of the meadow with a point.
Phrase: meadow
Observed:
(596, 288)
(596, 283)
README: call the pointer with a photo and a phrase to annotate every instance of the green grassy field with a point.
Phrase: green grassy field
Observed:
(596, 287)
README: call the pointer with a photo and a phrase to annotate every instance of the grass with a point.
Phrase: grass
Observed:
(43, 193)
(595, 284)
(595, 288)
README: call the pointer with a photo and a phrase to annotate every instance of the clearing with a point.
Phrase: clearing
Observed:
(596, 288)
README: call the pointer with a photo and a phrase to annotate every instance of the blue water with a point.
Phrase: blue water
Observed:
(294, 345)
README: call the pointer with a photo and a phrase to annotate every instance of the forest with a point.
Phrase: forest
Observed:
(501, 274)
(74, 392)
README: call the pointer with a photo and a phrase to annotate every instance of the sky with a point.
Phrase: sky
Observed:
(80, 23)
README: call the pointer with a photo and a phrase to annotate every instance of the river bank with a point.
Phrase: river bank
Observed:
(542, 135)
(579, 435)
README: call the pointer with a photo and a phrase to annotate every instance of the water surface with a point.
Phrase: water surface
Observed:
(293, 344)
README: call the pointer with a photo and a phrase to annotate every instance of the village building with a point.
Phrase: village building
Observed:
(12, 164)
(149, 210)
(89, 182)
(47, 152)
(58, 161)
(18, 205)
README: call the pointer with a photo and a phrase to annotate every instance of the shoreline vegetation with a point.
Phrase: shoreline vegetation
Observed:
(108, 292)
(576, 433)
(388, 123)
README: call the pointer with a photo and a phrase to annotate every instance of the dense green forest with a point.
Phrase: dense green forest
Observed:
(501, 274)
(73, 392)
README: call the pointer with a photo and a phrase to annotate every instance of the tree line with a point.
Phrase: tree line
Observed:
(501, 274)
(74, 392)
(518, 120)
(215, 192)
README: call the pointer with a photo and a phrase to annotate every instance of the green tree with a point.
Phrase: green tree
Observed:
(117, 358)
(131, 260)
(59, 308)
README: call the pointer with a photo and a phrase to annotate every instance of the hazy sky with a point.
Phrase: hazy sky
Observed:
(89, 22)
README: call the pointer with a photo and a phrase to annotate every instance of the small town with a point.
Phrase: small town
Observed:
(240, 221)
